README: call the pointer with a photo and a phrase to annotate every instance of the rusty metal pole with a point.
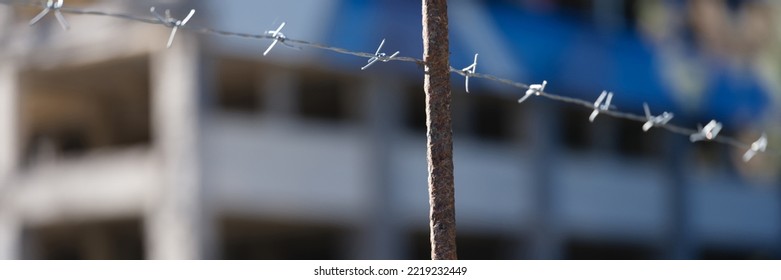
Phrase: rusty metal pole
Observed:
(439, 132)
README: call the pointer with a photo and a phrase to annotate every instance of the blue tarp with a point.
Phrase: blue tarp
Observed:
(577, 60)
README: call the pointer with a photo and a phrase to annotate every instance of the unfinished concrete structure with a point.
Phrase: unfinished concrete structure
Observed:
(112, 146)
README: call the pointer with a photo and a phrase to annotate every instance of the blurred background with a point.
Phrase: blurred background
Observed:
(114, 147)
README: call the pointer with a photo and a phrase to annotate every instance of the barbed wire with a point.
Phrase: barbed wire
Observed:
(708, 133)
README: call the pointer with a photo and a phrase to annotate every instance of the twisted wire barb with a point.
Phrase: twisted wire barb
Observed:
(725, 140)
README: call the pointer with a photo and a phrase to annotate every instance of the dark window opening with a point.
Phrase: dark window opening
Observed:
(603, 250)
(72, 111)
(247, 239)
(238, 87)
(575, 133)
(725, 253)
(491, 117)
(324, 97)
(708, 154)
(623, 13)
(580, 7)
(66, 141)
(107, 240)
(734, 5)
(634, 142)
(72, 141)
(415, 109)
(631, 13)
(470, 247)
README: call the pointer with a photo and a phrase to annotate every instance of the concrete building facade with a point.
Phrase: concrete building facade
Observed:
(113, 146)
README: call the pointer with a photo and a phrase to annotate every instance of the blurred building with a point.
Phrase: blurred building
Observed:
(114, 147)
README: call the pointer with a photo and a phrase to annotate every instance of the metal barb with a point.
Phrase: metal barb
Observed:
(169, 21)
(52, 5)
(379, 56)
(599, 106)
(758, 146)
(709, 132)
(469, 71)
(535, 89)
(662, 119)
(278, 37)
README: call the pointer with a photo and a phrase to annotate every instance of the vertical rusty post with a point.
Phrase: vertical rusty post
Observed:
(439, 133)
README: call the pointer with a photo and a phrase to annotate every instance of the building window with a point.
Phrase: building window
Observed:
(582, 6)
(491, 117)
(71, 111)
(65, 141)
(470, 247)
(735, 253)
(603, 250)
(631, 11)
(268, 240)
(324, 96)
(415, 108)
(238, 86)
(106, 240)
(708, 155)
(618, 14)
(575, 128)
(634, 142)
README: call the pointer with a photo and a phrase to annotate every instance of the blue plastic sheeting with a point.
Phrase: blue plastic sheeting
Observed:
(576, 60)
(735, 97)
(361, 25)
(580, 62)
(538, 40)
